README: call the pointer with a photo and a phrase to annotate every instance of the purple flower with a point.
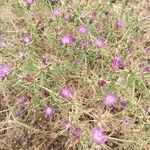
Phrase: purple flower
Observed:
(98, 136)
(101, 83)
(75, 132)
(99, 42)
(119, 24)
(143, 63)
(48, 111)
(67, 39)
(29, 1)
(67, 16)
(26, 39)
(65, 92)
(82, 29)
(116, 63)
(1, 33)
(4, 70)
(53, 1)
(23, 101)
(109, 99)
(147, 69)
(147, 50)
(56, 11)
(2, 43)
(19, 112)
(66, 123)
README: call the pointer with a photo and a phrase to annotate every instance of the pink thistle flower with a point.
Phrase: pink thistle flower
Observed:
(67, 16)
(119, 24)
(48, 111)
(99, 42)
(26, 39)
(56, 11)
(18, 112)
(147, 50)
(2, 43)
(67, 39)
(66, 123)
(109, 99)
(98, 136)
(75, 132)
(23, 101)
(65, 92)
(116, 63)
(29, 1)
(82, 29)
(4, 70)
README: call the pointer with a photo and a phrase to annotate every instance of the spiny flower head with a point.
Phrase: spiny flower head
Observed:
(65, 92)
(67, 39)
(29, 1)
(82, 29)
(116, 63)
(99, 42)
(109, 99)
(23, 101)
(67, 16)
(56, 11)
(48, 111)
(119, 24)
(26, 39)
(4, 70)
(98, 136)
(75, 132)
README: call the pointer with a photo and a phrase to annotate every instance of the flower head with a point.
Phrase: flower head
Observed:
(4, 70)
(67, 16)
(116, 63)
(48, 111)
(26, 39)
(67, 39)
(99, 42)
(82, 29)
(56, 11)
(98, 136)
(119, 24)
(29, 1)
(65, 92)
(75, 132)
(23, 101)
(109, 99)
